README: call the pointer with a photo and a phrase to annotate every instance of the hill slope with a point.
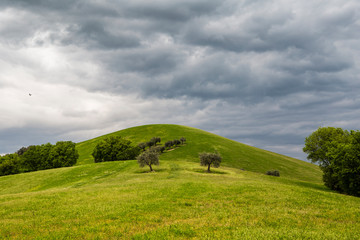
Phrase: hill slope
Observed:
(118, 200)
(235, 154)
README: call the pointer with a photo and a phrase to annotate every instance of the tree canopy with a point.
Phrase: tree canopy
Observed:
(39, 157)
(337, 152)
(150, 157)
(208, 159)
(115, 149)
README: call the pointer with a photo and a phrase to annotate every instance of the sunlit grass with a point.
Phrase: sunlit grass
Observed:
(119, 200)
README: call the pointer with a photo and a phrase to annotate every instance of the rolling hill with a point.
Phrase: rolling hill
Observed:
(119, 200)
(235, 154)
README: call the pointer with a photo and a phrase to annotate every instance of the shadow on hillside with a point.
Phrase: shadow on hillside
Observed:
(315, 186)
(148, 170)
(201, 170)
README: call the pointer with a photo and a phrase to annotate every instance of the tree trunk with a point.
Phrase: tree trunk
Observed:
(150, 168)
(209, 168)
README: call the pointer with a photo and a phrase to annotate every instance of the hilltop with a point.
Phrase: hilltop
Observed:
(235, 154)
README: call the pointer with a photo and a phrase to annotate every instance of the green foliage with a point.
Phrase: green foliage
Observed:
(149, 158)
(183, 140)
(208, 159)
(142, 146)
(176, 142)
(159, 149)
(63, 154)
(155, 140)
(275, 173)
(169, 144)
(39, 157)
(9, 164)
(338, 153)
(115, 148)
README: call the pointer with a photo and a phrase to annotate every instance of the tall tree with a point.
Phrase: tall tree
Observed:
(337, 152)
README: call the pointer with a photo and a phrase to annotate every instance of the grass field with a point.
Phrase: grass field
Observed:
(180, 200)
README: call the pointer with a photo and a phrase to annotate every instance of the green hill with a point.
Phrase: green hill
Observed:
(180, 200)
(235, 154)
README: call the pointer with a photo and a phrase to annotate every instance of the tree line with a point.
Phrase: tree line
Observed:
(39, 157)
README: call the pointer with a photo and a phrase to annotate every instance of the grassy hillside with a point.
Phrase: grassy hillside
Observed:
(118, 200)
(180, 200)
(235, 154)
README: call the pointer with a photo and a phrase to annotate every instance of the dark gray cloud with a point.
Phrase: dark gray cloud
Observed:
(266, 73)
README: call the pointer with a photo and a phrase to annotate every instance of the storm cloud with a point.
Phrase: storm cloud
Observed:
(266, 73)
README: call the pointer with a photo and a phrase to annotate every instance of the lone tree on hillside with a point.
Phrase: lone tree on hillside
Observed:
(148, 158)
(208, 159)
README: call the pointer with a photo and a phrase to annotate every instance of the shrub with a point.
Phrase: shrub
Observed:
(169, 144)
(142, 146)
(183, 140)
(159, 149)
(273, 173)
(176, 142)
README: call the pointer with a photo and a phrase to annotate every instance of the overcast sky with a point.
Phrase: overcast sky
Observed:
(262, 72)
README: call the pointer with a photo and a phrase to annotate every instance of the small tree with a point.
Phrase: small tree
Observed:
(155, 140)
(183, 140)
(159, 149)
(150, 144)
(169, 144)
(176, 142)
(208, 159)
(142, 146)
(148, 158)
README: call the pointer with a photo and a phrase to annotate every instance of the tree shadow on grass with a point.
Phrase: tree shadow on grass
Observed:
(148, 170)
(202, 170)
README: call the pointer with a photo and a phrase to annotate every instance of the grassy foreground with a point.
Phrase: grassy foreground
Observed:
(117, 200)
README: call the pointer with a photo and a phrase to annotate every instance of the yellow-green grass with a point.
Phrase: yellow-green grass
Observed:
(235, 154)
(119, 200)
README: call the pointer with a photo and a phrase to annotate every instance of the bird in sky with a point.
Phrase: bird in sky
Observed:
(30, 94)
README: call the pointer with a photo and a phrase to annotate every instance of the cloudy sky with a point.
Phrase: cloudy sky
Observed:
(263, 72)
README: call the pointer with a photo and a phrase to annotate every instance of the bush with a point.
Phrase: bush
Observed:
(183, 140)
(159, 149)
(142, 146)
(273, 173)
(169, 144)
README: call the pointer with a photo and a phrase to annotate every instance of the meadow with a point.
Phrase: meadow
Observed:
(180, 200)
